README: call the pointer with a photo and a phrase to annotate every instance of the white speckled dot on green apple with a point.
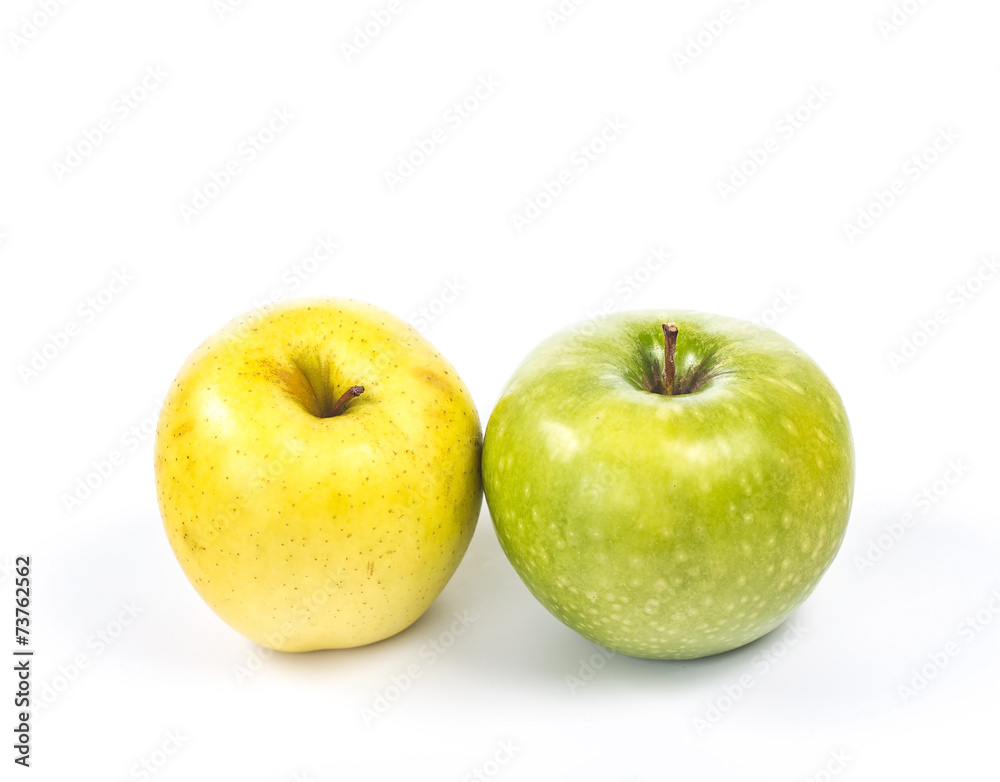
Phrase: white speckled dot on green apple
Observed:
(669, 526)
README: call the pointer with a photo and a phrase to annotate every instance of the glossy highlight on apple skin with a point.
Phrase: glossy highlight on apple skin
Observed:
(669, 526)
(318, 473)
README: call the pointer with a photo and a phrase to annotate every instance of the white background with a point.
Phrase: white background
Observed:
(68, 224)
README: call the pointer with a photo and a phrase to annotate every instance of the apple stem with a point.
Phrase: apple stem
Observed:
(669, 351)
(341, 404)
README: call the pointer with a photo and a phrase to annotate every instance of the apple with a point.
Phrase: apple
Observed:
(669, 484)
(318, 473)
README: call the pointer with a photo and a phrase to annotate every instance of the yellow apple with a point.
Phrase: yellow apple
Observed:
(317, 470)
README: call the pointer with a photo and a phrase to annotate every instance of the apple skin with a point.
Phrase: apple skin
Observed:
(669, 527)
(305, 532)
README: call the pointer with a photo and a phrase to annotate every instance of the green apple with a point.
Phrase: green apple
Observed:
(318, 473)
(669, 492)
